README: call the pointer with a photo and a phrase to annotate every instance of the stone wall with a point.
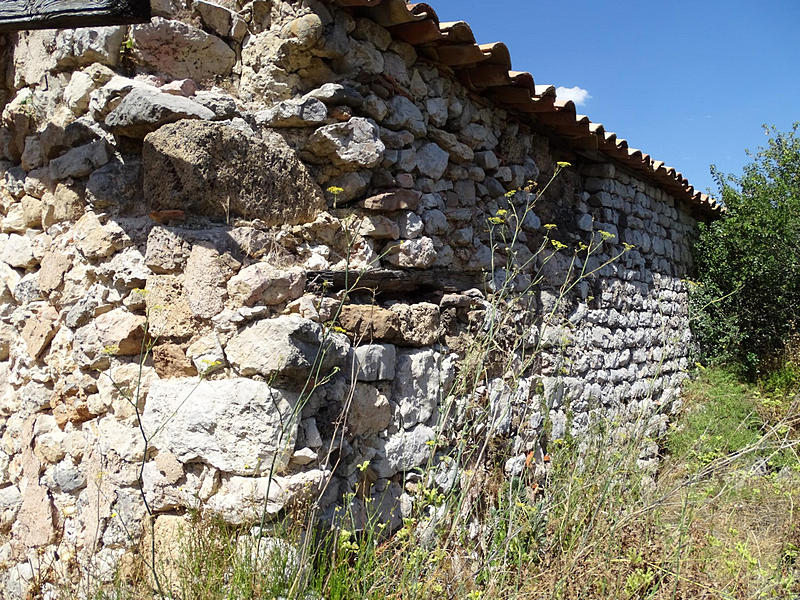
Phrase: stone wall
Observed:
(212, 184)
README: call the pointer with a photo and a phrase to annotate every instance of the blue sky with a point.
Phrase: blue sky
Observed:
(688, 81)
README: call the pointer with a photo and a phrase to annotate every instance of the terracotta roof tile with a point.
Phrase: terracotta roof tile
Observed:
(486, 69)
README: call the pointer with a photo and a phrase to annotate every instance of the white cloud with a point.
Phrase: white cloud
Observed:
(577, 94)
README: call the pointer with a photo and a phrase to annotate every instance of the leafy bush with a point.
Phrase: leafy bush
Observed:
(746, 301)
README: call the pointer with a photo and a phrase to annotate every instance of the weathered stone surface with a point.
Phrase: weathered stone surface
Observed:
(215, 17)
(17, 251)
(370, 411)
(64, 204)
(221, 104)
(432, 160)
(146, 109)
(393, 200)
(240, 500)
(405, 450)
(170, 361)
(305, 112)
(40, 51)
(337, 94)
(167, 250)
(117, 332)
(404, 114)
(263, 284)
(376, 361)
(419, 323)
(204, 280)
(39, 330)
(378, 227)
(415, 254)
(287, 347)
(95, 240)
(117, 183)
(167, 306)
(367, 323)
(214, 169)
(80, 161)
(421, 382)
(239, 426)
(354, 144)
(180, 50)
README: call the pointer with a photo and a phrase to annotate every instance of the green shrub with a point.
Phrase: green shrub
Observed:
(746, 301)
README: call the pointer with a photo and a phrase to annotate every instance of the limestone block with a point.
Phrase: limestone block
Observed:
(118, 331)
(337, 94)
(306, 112)
(370, 411)
(239, 426)
(405, 450)
(376, 362)
(214, 169)
(404, 114)
(221, 104)
(353, 144)
(378, 227)
(80, 161)
(415, 254)
(422, 380)
(168, 307)
(365, 322)
(95, 240)
(17, 251)
(179, 50)
(419, 323)
(204, 280)
(287, 347)
(39, 330)
(432, 160)
(146, 109)
(263, 284)
(393, 200)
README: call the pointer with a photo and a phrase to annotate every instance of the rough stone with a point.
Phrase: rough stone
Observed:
(117, 183)
(239, 426)
(39, 330)
(80, 161)
(214, 169)
(393, 200)
(404, 114)
(167, 307)
(432, 160)
(17, 251)
(287, 348)
(204, 280)
(367, 323)
(179, 50)
(116, 332)
(421, 382)
(337, 94)
(170, 361)
(415, 254)
(354, 144)
(95, 240)
(261, 283)
(370, 411)
(376, 362)
(306, 112)
(419, 323)
(405, 450)
(146, 109)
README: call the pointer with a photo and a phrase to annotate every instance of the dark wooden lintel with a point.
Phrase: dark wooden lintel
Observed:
(395, 281)
(18, 15)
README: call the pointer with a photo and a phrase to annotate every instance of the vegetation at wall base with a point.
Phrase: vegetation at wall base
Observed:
(716, 519)
(746, 301)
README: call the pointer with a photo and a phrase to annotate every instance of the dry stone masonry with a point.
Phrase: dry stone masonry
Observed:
(303, 215)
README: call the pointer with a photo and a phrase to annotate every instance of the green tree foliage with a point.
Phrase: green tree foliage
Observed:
(746, 301)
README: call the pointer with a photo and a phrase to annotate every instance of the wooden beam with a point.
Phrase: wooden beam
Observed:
(395, 281)
(17, 15)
